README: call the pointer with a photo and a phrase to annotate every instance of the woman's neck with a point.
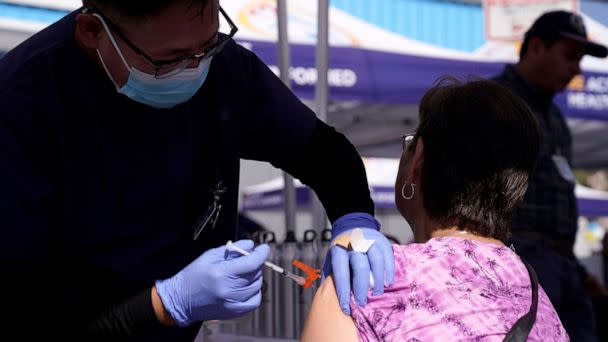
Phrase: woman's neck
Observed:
(463, 234)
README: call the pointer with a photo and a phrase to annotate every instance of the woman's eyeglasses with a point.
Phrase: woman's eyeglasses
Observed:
(407, 139)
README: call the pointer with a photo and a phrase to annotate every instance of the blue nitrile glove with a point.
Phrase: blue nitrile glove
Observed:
(379, 258)
(220, 284)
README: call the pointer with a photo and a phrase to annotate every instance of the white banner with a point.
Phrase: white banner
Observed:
(509, 20)
(68, 5)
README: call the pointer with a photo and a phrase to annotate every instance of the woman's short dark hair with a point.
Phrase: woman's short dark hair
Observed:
(480, 148)
(138, 9)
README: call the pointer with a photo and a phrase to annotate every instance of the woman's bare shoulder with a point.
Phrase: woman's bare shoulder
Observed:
(325, 320)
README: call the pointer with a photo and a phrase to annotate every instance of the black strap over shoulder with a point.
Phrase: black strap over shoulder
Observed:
(521, 329)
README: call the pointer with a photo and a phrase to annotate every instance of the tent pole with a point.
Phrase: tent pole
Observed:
(289, 192)
(319, 219)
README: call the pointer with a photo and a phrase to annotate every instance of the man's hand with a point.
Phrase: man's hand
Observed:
(220, 284)
(379, 259)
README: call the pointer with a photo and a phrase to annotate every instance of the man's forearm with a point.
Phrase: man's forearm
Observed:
(132, 317)
(331, 166)
(159, 309)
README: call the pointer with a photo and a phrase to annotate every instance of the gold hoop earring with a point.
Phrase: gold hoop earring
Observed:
(411, 195)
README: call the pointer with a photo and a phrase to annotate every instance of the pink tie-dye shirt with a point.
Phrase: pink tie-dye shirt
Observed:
(454, 289)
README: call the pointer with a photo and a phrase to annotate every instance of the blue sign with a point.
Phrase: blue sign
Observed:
(370, 76)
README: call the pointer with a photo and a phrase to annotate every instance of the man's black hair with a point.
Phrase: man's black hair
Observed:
(138, 9)
(548, 41)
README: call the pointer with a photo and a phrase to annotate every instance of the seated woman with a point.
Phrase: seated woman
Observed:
(460, 177)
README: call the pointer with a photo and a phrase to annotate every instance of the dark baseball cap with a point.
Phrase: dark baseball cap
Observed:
(562, 24)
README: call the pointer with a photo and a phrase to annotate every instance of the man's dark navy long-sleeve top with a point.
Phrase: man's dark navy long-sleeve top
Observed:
(100, 194)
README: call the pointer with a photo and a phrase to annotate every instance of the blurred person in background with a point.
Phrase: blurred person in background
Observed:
(461, 176)
(121, 130)
(544, 226)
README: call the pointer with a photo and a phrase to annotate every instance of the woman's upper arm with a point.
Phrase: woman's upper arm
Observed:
(326, 321)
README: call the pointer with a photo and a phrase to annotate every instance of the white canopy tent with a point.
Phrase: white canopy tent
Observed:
(375, 76)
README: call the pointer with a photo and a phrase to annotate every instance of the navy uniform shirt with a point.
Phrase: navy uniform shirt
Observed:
(100, 194)
(549, 206)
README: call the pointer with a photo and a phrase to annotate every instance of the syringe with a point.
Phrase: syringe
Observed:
(298, 279)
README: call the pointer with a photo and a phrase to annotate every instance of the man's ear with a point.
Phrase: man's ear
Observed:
(88, 31)
(535, 46)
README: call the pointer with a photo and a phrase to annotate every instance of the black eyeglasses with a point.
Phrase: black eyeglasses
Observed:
(164, 69)
(407, 139)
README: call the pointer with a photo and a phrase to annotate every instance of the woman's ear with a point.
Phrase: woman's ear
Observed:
(88, 31)
(418, 160)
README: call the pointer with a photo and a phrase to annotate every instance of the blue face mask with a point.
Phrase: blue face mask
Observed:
(158, 93)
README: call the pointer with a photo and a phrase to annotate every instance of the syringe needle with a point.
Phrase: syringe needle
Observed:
(298, 279)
